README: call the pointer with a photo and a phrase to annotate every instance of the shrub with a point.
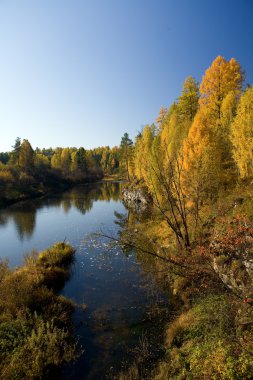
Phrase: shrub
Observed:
(42, 353)
(60, 254)
(12, 335)
(35, 323)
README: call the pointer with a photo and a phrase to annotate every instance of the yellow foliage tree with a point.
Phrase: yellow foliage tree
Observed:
(242, 135)
(74, 161)
(188, 100)
(219, 79)
(41, 161)
(56, 159)
(26, 155)
(65, 160)
(207, 148)
(228, 112)
(182, 117)
(201, 165)
(143, 147)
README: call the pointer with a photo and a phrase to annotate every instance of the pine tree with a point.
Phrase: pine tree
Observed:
(207, 148)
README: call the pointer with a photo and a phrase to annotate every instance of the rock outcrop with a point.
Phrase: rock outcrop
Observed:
(136, 199)
(232, 252)
(236, 273)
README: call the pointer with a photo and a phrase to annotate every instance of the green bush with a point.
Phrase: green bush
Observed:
(60, 254)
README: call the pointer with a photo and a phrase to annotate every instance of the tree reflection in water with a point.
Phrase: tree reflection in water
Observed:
(82, 198)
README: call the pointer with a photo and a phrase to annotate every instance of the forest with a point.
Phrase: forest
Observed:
(25, 172)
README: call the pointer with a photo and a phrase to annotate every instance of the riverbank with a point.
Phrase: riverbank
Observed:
(36, 331)
(11, 194)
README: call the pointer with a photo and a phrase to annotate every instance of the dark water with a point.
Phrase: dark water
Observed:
(118, 293)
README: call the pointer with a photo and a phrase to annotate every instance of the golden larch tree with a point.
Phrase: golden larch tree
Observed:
(242, 135)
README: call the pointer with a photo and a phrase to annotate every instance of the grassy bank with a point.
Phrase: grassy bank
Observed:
(208, 342)
(35, 323)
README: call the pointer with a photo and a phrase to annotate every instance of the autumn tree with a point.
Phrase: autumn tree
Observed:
(164, 183)
(26, 156)
(188, 100)
(207, 143)
(113, 160)
(65, 160)
(41, 161)
(138, 157)
(56, 159)
(143, 146)
(92, 166)
(104, 160)
(171, 134)
(220, 78)
(242, 135)
(178, 120)
(74, 162)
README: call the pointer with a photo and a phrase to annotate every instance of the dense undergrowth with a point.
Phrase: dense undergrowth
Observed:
(35, 323)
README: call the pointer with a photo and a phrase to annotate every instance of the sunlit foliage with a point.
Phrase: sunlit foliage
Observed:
(242, 135)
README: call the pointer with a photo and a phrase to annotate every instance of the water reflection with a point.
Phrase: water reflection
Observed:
(81, 198)
(25, 222)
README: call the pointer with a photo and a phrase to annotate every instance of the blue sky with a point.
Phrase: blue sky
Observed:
(83, 72)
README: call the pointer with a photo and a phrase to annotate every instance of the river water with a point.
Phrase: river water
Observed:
(118, 291)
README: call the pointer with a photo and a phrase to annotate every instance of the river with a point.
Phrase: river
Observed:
(118, 291)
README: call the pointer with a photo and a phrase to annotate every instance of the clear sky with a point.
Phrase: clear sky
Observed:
(83, 72)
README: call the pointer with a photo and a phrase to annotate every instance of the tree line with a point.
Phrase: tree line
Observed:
(25, 165)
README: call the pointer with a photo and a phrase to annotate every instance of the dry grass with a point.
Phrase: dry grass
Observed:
(35, 323)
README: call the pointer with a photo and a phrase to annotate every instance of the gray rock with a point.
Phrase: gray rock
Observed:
(236, 274)
(136, 199)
